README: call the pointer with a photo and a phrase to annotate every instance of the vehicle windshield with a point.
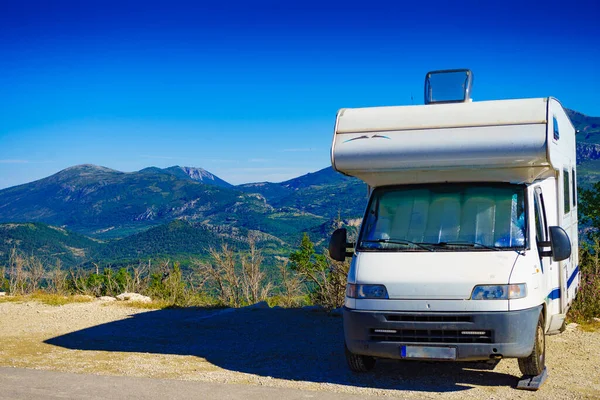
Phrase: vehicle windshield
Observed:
(449, 217)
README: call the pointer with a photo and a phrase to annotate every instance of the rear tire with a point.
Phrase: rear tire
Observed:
(358, 362)
(534, 364)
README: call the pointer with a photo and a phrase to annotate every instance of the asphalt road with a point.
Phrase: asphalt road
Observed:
(29, 384)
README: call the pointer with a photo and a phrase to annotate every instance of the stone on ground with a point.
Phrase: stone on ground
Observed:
(134, 297)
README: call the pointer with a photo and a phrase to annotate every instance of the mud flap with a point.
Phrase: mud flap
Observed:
(533, 382)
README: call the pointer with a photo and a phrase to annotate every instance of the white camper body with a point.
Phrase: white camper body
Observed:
(452, 261)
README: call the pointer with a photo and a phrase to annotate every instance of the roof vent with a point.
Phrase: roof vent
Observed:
(448, 86)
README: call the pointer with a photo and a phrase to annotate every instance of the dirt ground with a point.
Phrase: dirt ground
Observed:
(273, 347)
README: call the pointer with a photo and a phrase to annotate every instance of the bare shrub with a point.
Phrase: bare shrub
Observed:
(57, 282)
(34, 274)
(109, 285)
(221, 276)
(291, 287)
(3, 280)
(25, 274)
(85, 283)
(16, 273)
(253, 282)
(139, 279)
(175, 288)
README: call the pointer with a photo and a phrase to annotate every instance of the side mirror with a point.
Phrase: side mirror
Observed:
(338, 245)
(560, 244)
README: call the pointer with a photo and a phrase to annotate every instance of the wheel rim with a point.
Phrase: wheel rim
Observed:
(540, 343)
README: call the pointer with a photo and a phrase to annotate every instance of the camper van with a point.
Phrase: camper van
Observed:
(467, 250)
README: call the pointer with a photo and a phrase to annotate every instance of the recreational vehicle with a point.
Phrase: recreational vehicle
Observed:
(468, 246)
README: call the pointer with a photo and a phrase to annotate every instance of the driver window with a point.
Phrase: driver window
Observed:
(540, 220)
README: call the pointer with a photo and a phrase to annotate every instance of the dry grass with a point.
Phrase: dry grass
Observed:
(158, 304)
(47, 298)
(12, 299)
(590, 326)
(60, 300)
(152, 305)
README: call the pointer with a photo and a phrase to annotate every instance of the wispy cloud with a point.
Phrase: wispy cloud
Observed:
(14, 161)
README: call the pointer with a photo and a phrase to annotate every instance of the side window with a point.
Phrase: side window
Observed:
(540, 216)
(556, 132)
(566, 187)
(574, 184)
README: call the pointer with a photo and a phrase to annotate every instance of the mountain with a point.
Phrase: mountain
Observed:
(325, 192)
(177, 241)
(46, 243)
(588, 127)
(197, 175)
(182, 240)
(588, 147)
(100, 201)
(108, 204)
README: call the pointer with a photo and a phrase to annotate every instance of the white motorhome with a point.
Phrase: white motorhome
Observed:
(468, 246)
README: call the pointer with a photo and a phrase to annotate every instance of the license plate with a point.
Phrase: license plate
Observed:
(428, 352)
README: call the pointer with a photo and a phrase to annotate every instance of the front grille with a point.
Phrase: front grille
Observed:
(427, 318)
(429, 336)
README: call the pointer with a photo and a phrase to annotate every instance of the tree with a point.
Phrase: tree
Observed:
(589, 207)
(326, 278)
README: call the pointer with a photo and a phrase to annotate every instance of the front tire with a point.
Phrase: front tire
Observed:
(534, 364)
(358, 362)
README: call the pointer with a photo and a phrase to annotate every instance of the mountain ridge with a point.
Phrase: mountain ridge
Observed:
(105, 203)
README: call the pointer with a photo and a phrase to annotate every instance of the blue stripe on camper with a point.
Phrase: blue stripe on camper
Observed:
(572, 277)
(554, 294)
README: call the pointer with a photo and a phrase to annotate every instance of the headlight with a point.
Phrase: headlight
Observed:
(499, 292)
(366, 291)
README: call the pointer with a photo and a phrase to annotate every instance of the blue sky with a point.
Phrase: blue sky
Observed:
(249, 90)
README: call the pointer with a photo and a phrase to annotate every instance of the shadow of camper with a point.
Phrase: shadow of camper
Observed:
(292, 344)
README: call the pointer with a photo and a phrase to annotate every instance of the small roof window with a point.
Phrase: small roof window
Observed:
(448, 86)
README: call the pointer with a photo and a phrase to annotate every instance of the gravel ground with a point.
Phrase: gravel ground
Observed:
(273, 347)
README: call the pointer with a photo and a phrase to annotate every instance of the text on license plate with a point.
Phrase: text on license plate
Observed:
(428, 352)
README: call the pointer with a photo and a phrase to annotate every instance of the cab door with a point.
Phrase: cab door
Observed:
(548, 268)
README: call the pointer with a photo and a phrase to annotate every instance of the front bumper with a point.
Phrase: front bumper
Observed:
(476, 336)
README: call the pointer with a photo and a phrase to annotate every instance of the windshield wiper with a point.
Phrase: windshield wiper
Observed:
(467, 244)
(400, 241)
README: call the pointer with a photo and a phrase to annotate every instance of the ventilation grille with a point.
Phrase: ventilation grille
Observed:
(428, 318)
(430, 336)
